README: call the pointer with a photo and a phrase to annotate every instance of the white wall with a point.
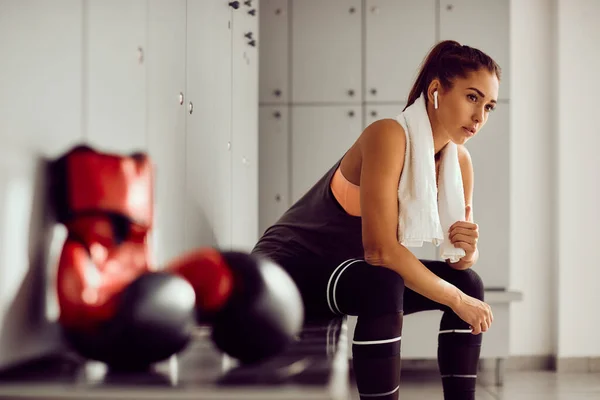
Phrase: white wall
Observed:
(554, 178)
(532, 133)
(577, 233)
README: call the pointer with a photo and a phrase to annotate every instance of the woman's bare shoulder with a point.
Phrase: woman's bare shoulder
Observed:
(383, 135)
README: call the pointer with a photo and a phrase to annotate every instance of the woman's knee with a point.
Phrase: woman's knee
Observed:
(470, 283)
(387, 291)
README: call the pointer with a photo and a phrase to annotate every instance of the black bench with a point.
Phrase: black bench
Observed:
(315, 366)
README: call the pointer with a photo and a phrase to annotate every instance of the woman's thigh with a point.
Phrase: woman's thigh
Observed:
(359, 288)
(349, 287)
(355, 287)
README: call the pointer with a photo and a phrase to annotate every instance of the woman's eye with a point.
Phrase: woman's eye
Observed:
(472, 97)
(491, 108)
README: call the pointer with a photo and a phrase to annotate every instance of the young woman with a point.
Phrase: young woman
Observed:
(339, 241)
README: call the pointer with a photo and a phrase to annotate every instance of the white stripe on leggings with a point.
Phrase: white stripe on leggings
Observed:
(396, 339)
(457, 331)
(329, 284)
(459, 376)
(344, 265)
(336, 282)
(380, 394)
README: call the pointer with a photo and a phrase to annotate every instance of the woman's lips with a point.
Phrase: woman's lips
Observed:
(468, 131)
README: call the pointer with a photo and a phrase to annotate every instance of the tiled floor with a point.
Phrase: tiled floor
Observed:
(530, 385)
(313, 368)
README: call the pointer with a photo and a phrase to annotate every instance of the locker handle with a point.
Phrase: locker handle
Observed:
(248, 3)
(252, 43)
(277, 114)
(373, 91)
(278, 197)
(180, 98)
(277, 92)
(351, 113)
(234, 4)
(140, 54)
(252, 12)
(350, 92)
(191, 107)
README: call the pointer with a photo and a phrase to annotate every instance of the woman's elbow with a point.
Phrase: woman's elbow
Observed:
(376, 255)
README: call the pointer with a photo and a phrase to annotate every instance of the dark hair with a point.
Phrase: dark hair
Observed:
(446, 61)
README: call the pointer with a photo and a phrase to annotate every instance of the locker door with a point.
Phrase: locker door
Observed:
(166, 123)
(326, 51)
(274, 51)
(115, 74)
(374, 112)
(273, 164)
(393, 52)
(490, 156)
(40, 74)
(320, 136)
(208, 129)
(244, 190)
(483, 24)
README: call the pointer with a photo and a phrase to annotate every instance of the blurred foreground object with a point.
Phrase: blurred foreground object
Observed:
(116, 307)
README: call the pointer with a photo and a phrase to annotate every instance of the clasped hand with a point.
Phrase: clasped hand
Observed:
(464, 235)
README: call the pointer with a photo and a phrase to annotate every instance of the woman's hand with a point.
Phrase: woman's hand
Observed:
(464, 234)
(474, 312)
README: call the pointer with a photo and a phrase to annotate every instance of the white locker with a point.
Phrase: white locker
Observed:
(41, 74)
(326, 51)
(166, 123)
(208, 126)
(244, 179)
(115, 74)
(274, 51)
(483, 24)
(320, 136)
(393, 52)
(273, 164)
(491, 198)
(374, 112)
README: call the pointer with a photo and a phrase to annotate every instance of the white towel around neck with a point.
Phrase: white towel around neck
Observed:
(426, 215)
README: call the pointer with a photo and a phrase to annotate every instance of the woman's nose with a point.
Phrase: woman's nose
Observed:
(478, 116)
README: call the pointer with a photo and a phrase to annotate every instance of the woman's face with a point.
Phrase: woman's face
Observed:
(464, 109)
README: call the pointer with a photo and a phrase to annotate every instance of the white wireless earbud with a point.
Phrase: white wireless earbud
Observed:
(435, 101)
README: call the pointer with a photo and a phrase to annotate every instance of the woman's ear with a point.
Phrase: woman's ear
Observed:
(433, 93)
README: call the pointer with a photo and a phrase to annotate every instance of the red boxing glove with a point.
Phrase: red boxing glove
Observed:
(210, 276)
(105, 201)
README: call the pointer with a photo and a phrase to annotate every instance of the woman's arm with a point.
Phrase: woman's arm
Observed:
(382, 146)
(466, 169)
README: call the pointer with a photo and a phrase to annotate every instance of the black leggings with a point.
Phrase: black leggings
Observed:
(378, 297)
